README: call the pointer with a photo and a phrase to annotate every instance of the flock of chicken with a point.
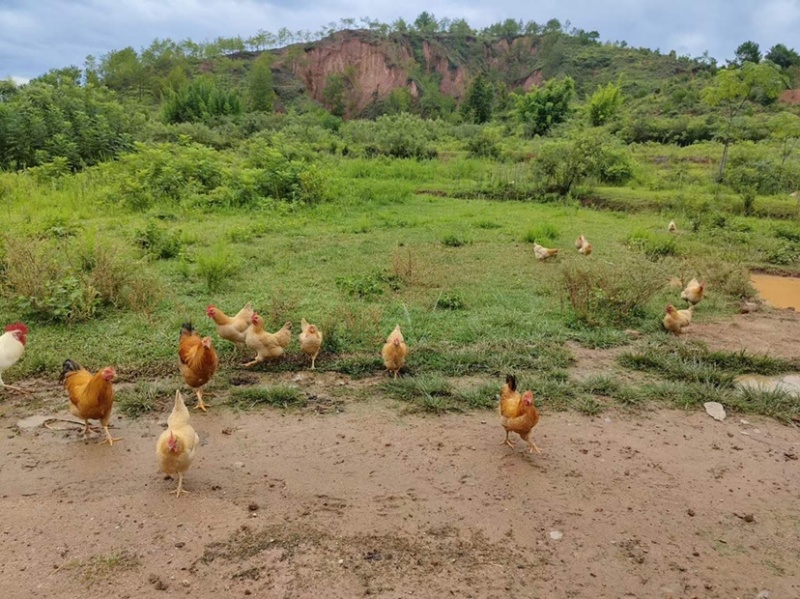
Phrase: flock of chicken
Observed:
(91, 395)
(674, 320)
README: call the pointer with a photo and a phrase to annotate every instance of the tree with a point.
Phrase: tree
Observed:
(747, 52)
(604, 103)
(546, 106)
(783, 56)
(333, 94)
(732, 89)
(426, 23)
(260, 94)
(477, 106)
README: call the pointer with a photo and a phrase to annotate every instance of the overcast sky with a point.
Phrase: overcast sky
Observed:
(38, 35)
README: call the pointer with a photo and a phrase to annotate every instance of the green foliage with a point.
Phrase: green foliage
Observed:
(333, 94)
(281, 396)
(546, 106)
(606, 294)
(604, 104)
(42, 122)
(400, 136)
(200, 100)
(588, 155)
(399, 100)
(368, 286)
(654, 245)
(477, 106)
(747, 52)
(450, 300)
(783, 56)
(453, 240)
(542, 233)
(70, 279)
(158, 242)
(216, 265)
(260, 93)
(484, 144)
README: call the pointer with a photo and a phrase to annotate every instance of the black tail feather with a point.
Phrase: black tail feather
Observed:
(69, 366)
(187, 329)
(511, 381)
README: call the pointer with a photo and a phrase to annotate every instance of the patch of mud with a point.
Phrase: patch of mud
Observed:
(773, 332)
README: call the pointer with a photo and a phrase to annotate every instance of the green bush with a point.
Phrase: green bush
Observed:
(603, 294)
(485, 144)
(216, 265)
(544, 233)
(654, 245)
(200, 100)
(158, 242)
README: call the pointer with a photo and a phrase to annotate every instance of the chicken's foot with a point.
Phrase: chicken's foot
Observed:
(109, 439)
(17, 389)
(180, 490)
(200, 405)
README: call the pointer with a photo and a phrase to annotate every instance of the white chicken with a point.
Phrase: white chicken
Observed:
(12, 346)
(177, 445)
(543, 253)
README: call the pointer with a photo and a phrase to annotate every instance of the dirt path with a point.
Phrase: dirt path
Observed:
(371, 502)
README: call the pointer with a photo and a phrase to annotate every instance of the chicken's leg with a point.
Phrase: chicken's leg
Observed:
(18, 389)
(180, 490)
(507, 441)
(109, 439)
(313, 359)
(531, 445)
(200, 405)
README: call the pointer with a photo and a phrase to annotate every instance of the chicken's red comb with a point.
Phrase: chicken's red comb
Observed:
(17, 326)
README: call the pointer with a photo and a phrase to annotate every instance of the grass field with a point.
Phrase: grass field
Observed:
(400, 241)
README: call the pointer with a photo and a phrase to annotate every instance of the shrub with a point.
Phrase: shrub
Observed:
(544, 233)
(69, 280)
(450, 300)
(454, 241)
(215, 265)
(603, 293)
(654, 245)
(485, 144)
(158, 242)
(200, 100)
(604, 104)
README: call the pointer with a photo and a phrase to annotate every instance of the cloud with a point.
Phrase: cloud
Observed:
(38, 36)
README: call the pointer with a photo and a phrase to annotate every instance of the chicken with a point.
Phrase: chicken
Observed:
(510, 402)
(672, 227)
(579, 242)
(231, 329)
(91, 396)
(676, 320)
(268, 346)
(585, 249)
(310, 340)
(177, 445)
(12, 346)
(694, 291)
(543, 253)
(394, 351)
(198, 361)
(523, 423)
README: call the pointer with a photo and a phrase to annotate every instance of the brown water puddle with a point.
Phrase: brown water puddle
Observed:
(788, 382)
(780, 292)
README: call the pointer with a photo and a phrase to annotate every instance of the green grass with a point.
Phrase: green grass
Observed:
(143, 398)
(102, 568)
(437, 395)
(456, 274)
(282, 396)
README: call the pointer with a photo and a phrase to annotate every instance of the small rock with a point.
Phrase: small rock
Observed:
(185, 583)
(556, 535)
(248, 592)
(691, 512)
(743, 421)
(746, 517)
(763, 595)
(157, 583)
(238, 464)
(227, 431)
(180, 544)
(790, 455)
(253, 506)
(715, 410)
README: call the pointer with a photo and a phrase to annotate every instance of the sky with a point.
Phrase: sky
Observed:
(39, 35)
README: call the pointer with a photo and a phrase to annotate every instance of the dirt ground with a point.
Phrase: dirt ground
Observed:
(364, 500)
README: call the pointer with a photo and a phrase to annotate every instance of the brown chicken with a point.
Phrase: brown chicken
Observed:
(198, 361)
(694, 291)
(310, 340)
(543, 253)
(268, 346)
(523, 423)
(394, 351)
(510, 402)
(585, 249)
(676, 320)
(579, 242)
(177, 445)
(91, 396)
(231, 329)
(672, 227)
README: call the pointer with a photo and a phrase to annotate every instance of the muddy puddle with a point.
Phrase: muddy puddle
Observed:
(780, 292)
(788, 382)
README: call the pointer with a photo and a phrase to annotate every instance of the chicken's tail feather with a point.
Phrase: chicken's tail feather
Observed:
(69, 366)
(511, 381)
(187, 329)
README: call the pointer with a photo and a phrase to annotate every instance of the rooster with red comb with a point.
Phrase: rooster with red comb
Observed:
(12, 346)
